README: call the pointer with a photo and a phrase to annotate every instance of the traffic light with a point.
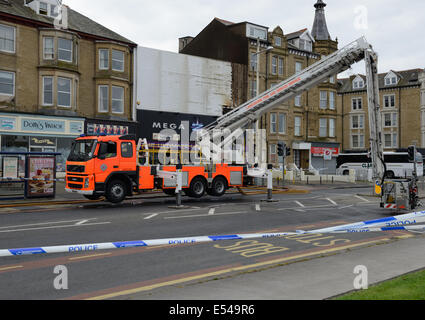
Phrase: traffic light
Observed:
(412, 153)
(281, 149)
(288, 152)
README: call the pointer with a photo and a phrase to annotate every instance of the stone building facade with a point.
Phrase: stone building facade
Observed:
(402, 105)
(308, 124)
(54, 82)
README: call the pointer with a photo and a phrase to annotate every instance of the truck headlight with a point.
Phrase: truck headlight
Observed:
(86, 183)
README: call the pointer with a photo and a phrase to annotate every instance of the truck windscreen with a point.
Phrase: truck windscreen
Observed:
(82, 150)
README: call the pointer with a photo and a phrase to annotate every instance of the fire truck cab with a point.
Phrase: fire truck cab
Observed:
(110, 166)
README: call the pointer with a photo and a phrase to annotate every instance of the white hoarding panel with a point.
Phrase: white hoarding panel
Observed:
(172, 82)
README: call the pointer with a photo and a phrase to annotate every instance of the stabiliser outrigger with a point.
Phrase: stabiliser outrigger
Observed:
(110, 166)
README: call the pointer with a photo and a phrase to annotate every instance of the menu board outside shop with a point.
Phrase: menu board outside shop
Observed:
(41, 176)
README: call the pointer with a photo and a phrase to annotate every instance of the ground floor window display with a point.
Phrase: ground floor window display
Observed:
(39, 134)
(39, 145)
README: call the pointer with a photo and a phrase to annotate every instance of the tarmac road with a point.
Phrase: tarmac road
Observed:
(174, 272)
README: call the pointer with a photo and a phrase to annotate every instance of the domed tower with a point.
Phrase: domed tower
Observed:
(324, 44)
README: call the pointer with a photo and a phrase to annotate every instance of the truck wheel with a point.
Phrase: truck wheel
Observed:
(219, 187)
(197, 188)
(116, 191)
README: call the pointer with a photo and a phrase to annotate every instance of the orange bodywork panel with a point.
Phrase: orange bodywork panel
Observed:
(146, 179)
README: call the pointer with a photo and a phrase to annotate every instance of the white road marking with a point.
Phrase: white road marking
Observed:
(211, 212)
(300, 204)
(257, 207)
(55, 227)
(81, 222)
(151, 216)
(345, 207)
(331, 201)
(361, 198)
(205, 215)
(45, 223)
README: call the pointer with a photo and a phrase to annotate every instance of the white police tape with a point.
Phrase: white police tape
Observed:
(396, 221)
(362, 227)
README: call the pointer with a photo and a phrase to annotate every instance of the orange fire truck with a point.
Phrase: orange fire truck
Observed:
(110, 165)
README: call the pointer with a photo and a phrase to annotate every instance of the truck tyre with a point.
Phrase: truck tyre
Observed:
(197, 188)
(116, 191)
(219, 187)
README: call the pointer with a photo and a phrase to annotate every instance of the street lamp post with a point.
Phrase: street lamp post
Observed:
(257, 123)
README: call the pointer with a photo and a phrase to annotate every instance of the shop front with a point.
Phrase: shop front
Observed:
(324, 157)
(39, 134)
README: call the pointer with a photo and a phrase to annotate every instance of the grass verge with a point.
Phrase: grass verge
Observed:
(407, 287)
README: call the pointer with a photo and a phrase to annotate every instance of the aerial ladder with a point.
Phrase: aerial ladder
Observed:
(246, 115)
(395, 194)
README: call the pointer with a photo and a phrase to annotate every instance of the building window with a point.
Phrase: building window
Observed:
(357, 104)
(103, 98)
(358, 83)
(253, 88)
(332, 128)
(47, 91)
(323, 130)
(390, 80)
(297, 128)
(273, 123)
(390, 120)
(253, 61)
(117, 100)
(323, 99)
(103, 59)
(64, 92)
(281, 65)
(48, 48)
(278, 41)
(274, 65)
(332, 79)
(256, 33)
(332, 100)
(7, 38)
(298, 101)
(65, 50)
(357, 122)
(282, 123)
(117, 60)
(7, 83)
(389, 101)
(273, 153)
(357, 141)
(390, 140)
(43, 9)
(298, 67)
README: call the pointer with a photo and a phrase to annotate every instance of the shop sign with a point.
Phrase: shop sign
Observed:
(7, 124)
(321, 152)
(98, 129)
(43, 142)
(42, 125)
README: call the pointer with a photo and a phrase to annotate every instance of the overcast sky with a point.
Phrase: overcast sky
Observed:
(395, 28)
